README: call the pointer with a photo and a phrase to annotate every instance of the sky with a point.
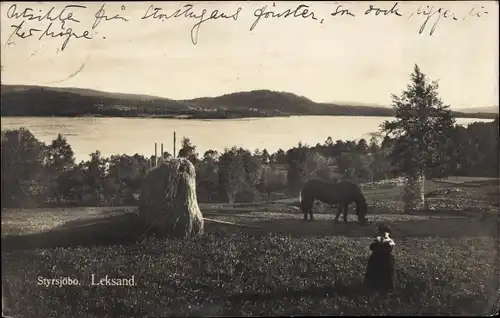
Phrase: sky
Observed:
(342, 58)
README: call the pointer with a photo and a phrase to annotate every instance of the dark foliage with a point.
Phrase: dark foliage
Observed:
(35, 174)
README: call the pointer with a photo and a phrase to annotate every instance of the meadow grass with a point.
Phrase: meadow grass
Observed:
(446, 265)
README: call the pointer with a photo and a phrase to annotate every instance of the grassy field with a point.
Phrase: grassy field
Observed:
(447, 260)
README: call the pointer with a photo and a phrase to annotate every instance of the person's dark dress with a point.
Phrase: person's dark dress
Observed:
(381, 271)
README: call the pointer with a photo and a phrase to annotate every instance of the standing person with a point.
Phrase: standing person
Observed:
(380, 270)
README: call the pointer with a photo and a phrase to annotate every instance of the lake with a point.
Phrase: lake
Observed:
(138, 135)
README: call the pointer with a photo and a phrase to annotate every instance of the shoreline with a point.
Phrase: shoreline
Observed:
(491, 116)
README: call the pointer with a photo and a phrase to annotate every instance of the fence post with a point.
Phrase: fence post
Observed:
(175, 155)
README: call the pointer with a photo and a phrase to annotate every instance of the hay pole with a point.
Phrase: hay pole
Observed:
(230, 223)
(205, 219)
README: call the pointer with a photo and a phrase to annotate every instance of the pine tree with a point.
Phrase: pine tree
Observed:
(420, 132)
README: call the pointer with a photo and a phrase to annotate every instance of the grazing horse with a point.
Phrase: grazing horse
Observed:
(339, 193)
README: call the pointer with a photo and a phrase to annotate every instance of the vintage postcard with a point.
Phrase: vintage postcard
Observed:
(249, 158)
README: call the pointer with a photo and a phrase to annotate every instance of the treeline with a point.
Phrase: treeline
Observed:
(35, 174)
(111, 111)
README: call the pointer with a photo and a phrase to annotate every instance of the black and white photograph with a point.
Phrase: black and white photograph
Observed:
(250, 158)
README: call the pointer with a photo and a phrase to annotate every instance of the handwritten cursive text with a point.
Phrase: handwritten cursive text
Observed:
(431, 11)
(377, 11)
(68, 21)
(28, 14)
(23, 31)
(186, 12)
(474, 13)
(301, 11)
(101, 14)
(67, 33)
(340, 11)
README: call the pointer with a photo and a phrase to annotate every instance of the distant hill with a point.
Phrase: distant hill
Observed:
(286, 103)
(20, 100)
(475, 110)
(79, 91)
(23, 100)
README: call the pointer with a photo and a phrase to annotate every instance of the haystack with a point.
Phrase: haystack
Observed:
(168, 202)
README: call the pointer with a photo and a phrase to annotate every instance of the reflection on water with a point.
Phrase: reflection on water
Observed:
(138, 135)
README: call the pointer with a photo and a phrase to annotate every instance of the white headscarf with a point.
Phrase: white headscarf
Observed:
(386, 239)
